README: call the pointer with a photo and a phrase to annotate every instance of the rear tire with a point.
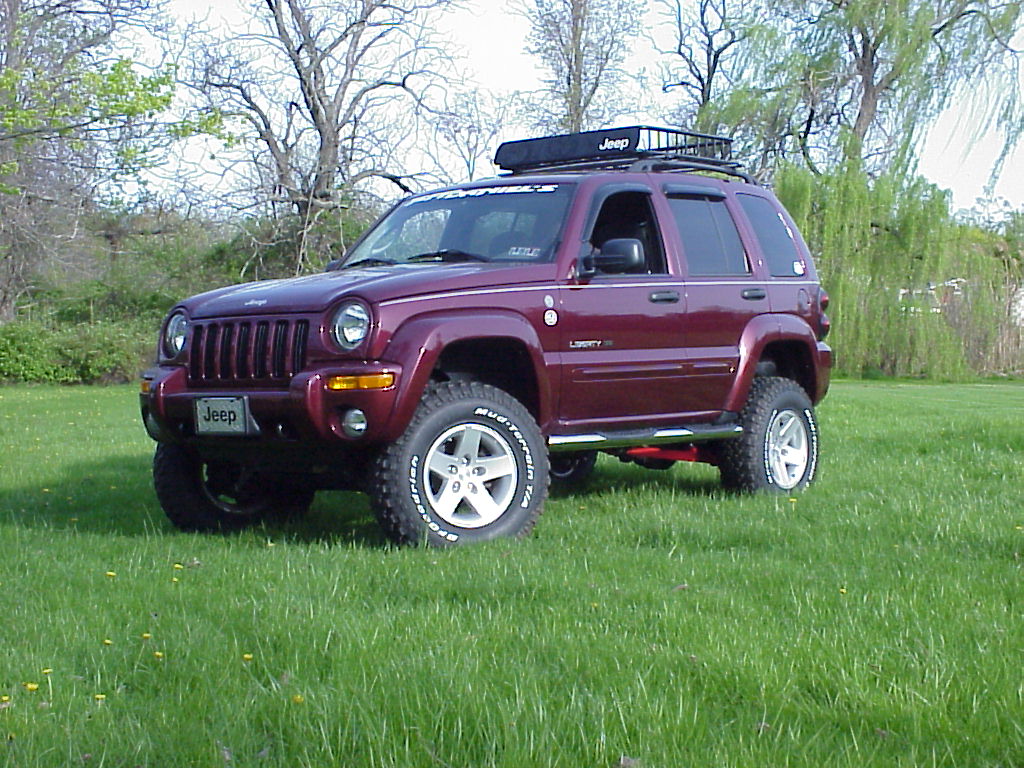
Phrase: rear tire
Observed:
(571, 470)
(471, 466)
(205, 496)
(778, 450)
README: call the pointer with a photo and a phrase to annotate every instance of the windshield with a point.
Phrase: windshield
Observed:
(507, 223)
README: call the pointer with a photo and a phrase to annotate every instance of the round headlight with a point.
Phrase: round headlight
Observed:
(351, 324)
(175, 333)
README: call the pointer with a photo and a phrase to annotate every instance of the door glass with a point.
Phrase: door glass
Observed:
(710, 239)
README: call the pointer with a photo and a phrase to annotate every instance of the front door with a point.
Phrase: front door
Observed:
(622, 334)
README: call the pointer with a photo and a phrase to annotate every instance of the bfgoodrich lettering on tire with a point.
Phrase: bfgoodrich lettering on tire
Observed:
(778, 450)
(471, 466)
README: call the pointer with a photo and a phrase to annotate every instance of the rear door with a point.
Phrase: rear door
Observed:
(724, 291)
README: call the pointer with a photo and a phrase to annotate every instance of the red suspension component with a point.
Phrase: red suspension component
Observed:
(690, 453)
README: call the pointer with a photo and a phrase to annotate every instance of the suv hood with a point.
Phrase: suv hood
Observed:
(315, 293)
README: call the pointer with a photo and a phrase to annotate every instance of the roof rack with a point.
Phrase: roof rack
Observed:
(637, 148)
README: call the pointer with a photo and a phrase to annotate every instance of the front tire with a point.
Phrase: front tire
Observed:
(208, 496)
(778, 450)
(471, 466)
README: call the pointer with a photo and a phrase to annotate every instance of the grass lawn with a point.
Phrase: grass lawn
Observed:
(875, 620)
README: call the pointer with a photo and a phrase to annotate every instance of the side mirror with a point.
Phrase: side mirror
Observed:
(620, 254)
(333, 264)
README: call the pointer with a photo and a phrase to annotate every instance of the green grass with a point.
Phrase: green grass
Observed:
(874, 621)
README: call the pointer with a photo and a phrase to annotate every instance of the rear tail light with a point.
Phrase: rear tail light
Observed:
(824, 324)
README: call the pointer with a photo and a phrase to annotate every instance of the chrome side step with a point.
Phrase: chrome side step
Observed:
(632, 437)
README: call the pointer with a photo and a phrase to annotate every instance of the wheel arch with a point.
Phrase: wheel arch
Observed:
(777, 345)
(496, 347)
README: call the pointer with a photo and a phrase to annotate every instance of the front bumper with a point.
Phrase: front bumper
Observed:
(306, 411)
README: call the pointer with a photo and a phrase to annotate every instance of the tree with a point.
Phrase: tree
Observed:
(468, 130)
(822, 80)
(582, 45)
(706, 56)
(71, 114)
(318, 88)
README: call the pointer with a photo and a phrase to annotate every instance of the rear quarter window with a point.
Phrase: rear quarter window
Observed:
(774, 235)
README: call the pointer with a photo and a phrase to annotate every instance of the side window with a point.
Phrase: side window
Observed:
(773, 233)
(630, 214)
(710, 239)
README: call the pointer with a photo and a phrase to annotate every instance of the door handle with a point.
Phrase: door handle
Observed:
(664, 297)
(753, 294)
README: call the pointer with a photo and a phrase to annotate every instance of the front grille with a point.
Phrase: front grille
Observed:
(265, 352)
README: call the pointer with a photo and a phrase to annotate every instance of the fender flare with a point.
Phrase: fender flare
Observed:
(759, 333)
(418, 343)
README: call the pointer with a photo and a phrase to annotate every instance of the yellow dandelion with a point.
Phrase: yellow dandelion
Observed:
(100, 697)
(107, 641)
(298, 698)
(4, 699)
(47, 671)
(246, 657)
(111, 575)
(842, 590)
(31, 687)
(158, 654)
(174, 579)
(179, 567)
(145, 635)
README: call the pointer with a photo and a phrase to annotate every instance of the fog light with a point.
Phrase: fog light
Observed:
(354, 423)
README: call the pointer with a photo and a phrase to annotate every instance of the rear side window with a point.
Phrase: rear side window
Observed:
(773, 233)
(709, 236)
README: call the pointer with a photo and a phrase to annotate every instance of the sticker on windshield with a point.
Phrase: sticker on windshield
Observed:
(506, 189)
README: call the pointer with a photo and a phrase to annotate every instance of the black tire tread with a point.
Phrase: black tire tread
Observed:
(740, 458)
(176, 481)
(388, 492)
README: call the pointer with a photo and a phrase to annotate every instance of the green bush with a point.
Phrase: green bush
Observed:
(86, 353)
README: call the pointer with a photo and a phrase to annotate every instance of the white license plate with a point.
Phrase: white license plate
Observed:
(222, 415)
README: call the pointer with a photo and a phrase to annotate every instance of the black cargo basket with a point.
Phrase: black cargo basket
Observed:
(645, 147)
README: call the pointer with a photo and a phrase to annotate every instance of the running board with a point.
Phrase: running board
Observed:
(599, 441)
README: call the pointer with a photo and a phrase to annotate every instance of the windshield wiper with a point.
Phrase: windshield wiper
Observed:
(372, 261)
(449, 255)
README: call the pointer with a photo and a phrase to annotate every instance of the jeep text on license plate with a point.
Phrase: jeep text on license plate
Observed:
(221, 416)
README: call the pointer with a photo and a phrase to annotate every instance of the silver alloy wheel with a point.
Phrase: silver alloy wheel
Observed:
(787, 449)
(471, 475)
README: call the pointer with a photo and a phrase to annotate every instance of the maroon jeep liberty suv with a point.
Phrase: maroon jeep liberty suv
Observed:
(630, 291)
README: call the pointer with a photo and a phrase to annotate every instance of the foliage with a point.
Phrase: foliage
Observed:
(914, 292)
(97, 352)
(652, 619)
(819, 81)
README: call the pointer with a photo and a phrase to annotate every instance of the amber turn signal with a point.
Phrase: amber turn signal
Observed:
(144, 387)
(366, 381)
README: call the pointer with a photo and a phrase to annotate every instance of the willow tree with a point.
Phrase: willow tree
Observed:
(820, 81)
(582, 45)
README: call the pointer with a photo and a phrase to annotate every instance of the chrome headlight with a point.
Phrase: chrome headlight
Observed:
(351, 324)
(175, 333)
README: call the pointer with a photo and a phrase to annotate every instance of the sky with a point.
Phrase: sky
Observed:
(490, 41)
